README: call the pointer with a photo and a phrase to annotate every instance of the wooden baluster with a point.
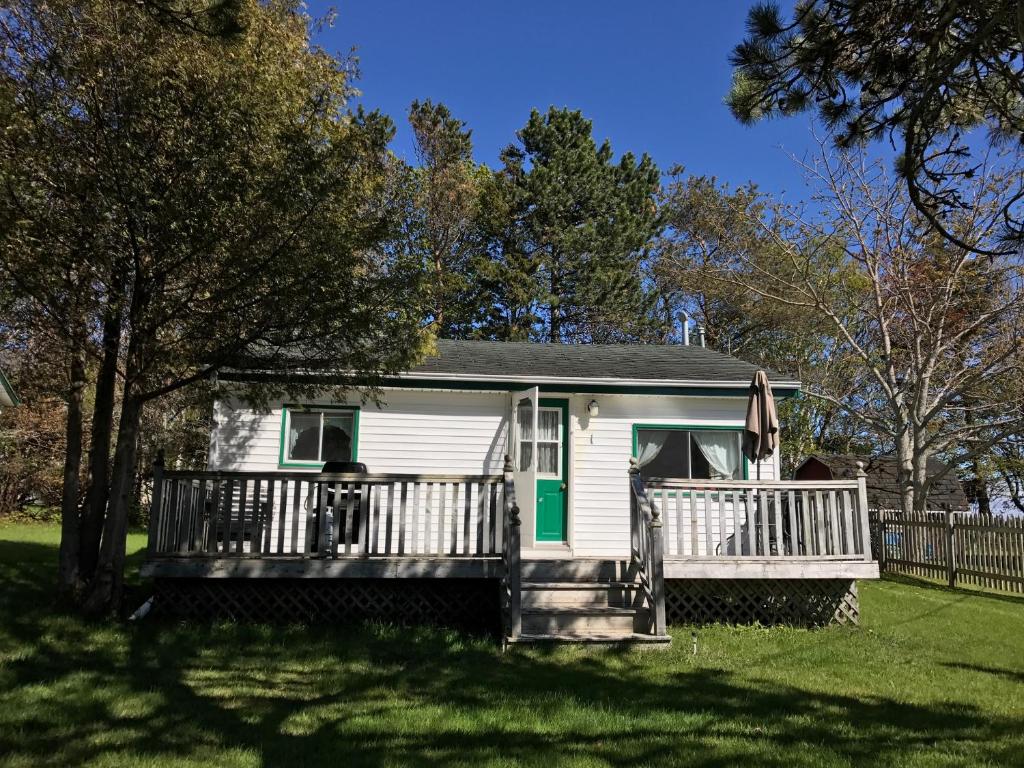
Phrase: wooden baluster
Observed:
(833, 520)
(455, 518)
(428, 516)
(227, 499)
(243, 489)
(794, 532)
(492, 534)
(414, 547)
(818, 516)
(293, 544)
(366, 490)
(709, 524)
(466, 518)
(481, 522)
(256, 540)
(751, 515)
(805, 519)
(779, 544)
(694, 532)
(336, 496)
(268, 518)
(282, 513)
(720, 547)
(389, 523)
(350, 506)
(764, 512)
(402, 504)
(851, 547)
(737, 523)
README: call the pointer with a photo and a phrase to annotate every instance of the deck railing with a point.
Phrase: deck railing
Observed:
(763, 518)
(318, 515)
(647, 549)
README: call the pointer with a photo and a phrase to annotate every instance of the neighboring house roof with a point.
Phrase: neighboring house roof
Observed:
(7, 395)
(883, 488)
(628, 366)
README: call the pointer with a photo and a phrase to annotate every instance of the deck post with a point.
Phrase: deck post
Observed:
(862, 507)
(156, 502)
(950, 544)
(513, 576)
(658, 570)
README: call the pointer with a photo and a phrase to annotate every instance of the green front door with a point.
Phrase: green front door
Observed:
(552, 470)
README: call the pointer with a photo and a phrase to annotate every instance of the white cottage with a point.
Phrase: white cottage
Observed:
(417, 487)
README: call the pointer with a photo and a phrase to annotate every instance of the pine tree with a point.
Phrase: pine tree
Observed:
(569, 231)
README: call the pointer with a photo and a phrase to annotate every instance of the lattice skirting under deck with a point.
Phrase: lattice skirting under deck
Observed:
(800, 602)
(471, 604)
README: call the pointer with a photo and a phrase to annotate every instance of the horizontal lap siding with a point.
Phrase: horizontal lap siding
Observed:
(410, 432)
(602, 447)
(427, 432)
(416, 432)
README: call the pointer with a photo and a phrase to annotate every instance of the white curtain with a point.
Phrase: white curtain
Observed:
(649, 444)
(722, 451)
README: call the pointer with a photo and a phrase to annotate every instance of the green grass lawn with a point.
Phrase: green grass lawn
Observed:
(933, 677)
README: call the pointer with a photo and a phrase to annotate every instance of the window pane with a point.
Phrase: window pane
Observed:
(337, 437)
(547, 425)
(547, 458)
(303, 436)
(524, 420)
(525, 456)
(716, 455)
(672, 459)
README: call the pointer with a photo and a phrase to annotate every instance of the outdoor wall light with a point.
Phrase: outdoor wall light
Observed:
(592, 409)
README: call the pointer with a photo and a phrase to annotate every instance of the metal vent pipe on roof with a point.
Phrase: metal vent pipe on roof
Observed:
(684, 319)
(700, 335)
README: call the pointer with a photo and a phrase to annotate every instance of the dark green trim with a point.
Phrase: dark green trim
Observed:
(517, 386)
(282, 463)
(9, 389)
(690, 428)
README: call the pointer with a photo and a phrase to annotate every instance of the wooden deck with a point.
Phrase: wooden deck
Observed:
(246, 525)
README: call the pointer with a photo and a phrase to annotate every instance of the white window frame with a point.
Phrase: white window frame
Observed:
(322, 410)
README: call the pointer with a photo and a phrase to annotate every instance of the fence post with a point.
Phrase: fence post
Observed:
(950, 543)
(155, 503)
(862, 505)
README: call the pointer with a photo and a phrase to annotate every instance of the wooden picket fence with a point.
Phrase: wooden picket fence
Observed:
(959, 548)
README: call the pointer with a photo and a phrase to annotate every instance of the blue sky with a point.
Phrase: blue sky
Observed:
(651, 76)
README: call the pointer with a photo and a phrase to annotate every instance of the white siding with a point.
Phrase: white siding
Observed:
(603, 445)
(414, 431)
(429, 431)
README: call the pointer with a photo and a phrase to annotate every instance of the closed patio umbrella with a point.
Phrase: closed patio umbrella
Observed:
(761, 430)
(761, 437)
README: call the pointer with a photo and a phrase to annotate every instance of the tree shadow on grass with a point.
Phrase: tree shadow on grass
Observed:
(377, 695)
(902, 578)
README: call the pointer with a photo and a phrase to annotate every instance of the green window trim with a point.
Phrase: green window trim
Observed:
(286, 410)
(689, 428)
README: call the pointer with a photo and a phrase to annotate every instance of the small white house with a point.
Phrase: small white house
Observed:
(583, 411)
(597, 484)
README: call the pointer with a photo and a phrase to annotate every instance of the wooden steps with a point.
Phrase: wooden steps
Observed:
(590, 601)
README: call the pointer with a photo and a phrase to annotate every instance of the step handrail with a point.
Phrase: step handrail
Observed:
(647, 550)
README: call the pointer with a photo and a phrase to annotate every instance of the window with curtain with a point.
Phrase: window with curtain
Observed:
(313, 436)
(549, 440)
(692, 454)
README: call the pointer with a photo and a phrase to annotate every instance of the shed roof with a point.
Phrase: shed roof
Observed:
(883, 488)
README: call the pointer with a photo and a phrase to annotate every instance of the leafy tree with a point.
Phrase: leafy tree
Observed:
(920, 73)
(931, 330)
(710, 228)
(570, 228)
(211, 198)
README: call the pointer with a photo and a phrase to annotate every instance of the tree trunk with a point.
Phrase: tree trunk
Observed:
(99, 453)
(905, 470)
(67, 570)
(106, 588)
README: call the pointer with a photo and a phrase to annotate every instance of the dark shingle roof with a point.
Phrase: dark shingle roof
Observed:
(624, 362)
(883, 488)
